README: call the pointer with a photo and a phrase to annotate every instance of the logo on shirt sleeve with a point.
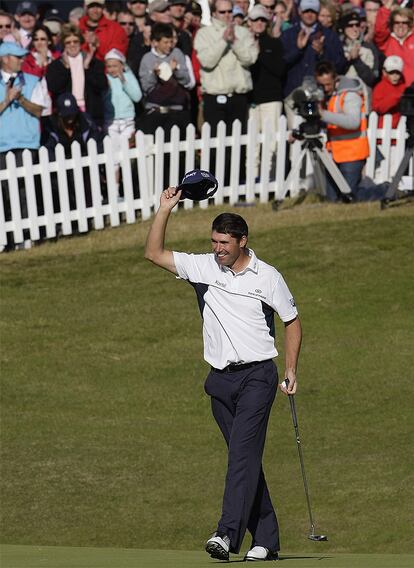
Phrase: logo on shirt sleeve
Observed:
(292, 302)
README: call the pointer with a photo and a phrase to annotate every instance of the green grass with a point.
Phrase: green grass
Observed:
(60, 557)
(107, 437)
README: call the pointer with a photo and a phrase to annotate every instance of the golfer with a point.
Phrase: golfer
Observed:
(237, 295)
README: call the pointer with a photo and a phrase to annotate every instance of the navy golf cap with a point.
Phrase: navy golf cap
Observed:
(66, 105)
(198, 185)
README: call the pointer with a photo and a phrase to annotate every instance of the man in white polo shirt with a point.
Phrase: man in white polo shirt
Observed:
(237, 295)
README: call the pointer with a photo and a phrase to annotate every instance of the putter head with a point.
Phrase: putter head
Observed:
(318, 537)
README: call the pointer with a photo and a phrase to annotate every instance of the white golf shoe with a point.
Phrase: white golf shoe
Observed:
(218, 546)
(258, 553)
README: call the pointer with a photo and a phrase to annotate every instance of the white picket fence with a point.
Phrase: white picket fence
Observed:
(143, 176)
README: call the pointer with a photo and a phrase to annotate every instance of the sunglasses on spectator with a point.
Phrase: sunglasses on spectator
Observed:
(309, 11)
(260, 20)
(394, 72)
(225, 11)
(356, 25)
(269, 6)
(126, 23)
(403, 23)
(5, 26)
(70, 41)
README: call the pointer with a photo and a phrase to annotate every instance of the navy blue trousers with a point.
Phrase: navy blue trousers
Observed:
(241, 402)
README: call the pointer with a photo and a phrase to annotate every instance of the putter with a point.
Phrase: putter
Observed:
(312, 535)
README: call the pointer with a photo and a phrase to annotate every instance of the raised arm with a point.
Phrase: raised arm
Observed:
(154, 247)
(293, 340)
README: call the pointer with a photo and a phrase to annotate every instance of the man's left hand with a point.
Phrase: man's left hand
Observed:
(317, 44)
(290, 375)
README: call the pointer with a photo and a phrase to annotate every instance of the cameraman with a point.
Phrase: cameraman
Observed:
(344, 112)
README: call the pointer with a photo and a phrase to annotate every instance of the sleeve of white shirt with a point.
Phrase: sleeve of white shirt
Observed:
(283, 301)
(189, 266)
(40, 95)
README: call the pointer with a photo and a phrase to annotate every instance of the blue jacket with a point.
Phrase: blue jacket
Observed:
(302, 62)
(18, 128)
(120, 97)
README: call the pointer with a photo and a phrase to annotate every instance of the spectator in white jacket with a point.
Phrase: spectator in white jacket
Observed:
(225, 52)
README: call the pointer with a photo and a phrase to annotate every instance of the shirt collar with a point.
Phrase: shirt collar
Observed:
(253, 265)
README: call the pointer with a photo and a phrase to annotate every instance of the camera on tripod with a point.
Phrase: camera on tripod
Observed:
(306, 100)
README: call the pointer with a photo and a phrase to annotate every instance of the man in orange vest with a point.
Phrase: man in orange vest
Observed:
(344, 112)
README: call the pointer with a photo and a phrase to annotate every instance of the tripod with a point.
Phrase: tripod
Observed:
(391, 194)
(313, 148)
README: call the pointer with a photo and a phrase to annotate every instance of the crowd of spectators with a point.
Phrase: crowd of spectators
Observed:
(112, 67)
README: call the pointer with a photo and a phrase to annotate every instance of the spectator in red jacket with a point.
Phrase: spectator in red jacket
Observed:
(387, 93)
(100, 32)
(394, 35)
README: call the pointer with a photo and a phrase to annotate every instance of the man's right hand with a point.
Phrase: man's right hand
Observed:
(169, 198)
(303, 38)
(229, 34)
(12, 93)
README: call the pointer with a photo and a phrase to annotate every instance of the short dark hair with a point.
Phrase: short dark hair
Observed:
(325, 68)
(160, 30)
(231, 224)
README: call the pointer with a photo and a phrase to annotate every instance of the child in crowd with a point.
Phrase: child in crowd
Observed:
(165, 79)
(388, 92)
(123, 92)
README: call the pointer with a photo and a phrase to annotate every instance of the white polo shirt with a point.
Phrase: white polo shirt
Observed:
(237, 308)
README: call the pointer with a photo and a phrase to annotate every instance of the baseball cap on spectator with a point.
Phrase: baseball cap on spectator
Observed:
(158, 6)
(393, 63)
(310, 5)
(12, 48)
(351, 17)
(53, 26)
(53, 15)
(66, 105)
(115, 54)
(258, 12)
(89, 2)
(26, 8)
(237, 11)
(195, 8)
(177, 2)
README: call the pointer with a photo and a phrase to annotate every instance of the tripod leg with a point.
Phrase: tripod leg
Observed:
(399, 173)
(295, 169)
(332, 168)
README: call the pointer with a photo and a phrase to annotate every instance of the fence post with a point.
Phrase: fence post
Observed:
(111, 182)
(281, 157)
(220, 161)
(145, 193)
(96, 190)
(32, 211)
(252, 146)
(127, 180)
(79, 187)
(189, 157)
(14, 196)
(63, 190)
(159, 166)
(235, 161)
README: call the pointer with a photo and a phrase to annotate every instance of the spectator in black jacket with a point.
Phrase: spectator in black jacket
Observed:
(139, 42)
(78, 73)
(68, 125)
(267, 74)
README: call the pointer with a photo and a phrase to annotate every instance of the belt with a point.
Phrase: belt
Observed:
(164, 109)
(234, 367)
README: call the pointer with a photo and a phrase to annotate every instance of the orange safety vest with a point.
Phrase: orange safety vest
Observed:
(347, 145)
